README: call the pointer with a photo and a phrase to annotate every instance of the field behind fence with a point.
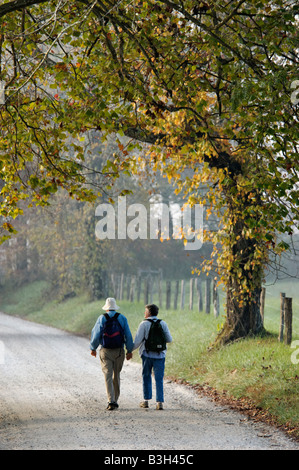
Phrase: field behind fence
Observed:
(279, 302)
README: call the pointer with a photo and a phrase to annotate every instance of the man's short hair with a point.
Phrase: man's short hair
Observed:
(153, 309)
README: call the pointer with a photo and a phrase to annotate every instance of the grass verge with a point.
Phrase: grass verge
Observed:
(256, 375)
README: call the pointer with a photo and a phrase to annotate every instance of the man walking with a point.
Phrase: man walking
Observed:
(111, 332)
(153, 354)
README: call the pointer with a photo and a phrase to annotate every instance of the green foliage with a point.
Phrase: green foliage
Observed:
(207, 87)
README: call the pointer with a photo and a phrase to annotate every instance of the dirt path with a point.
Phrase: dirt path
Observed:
(52, 396)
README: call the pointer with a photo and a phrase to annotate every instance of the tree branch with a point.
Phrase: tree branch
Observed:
(19, 5)
(212, 32)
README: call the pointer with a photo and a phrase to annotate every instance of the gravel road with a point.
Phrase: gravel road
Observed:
(52, 396)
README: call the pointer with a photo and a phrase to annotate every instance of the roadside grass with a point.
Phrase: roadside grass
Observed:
(259, 369)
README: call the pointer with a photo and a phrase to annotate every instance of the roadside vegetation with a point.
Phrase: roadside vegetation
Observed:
(258, 375)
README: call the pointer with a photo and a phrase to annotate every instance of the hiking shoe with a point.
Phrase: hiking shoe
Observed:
(144, 404)
(159, 406)
(112, 406)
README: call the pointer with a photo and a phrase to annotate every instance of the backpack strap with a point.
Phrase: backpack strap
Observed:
(151, 321)
(108, 317)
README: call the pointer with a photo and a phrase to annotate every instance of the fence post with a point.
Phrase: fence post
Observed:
(150, 289)
(282, 308)
(113, 285)
(168, 294)
(199, 294)
(132, 290)
(146, 290)
(105, 284)
(160, 291)
(182, 294)
(191, 294)
(288, 317)
(121, 290)
(215, 298)
(176, 295)
(262, 303)
(128, 287)
(208, 295)
(138, 288)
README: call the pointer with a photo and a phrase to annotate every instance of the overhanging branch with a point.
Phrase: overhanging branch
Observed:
(19, 5)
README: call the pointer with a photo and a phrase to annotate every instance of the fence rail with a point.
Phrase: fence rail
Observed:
(203, 295)
(177, 294)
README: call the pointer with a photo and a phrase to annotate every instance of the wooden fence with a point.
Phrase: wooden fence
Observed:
(286, 319)
(180, 294)
(203, 295)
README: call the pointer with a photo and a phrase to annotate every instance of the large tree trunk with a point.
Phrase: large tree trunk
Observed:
(243, 316)
(242, 319)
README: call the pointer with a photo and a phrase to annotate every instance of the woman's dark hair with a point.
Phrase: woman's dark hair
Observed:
(153, 309)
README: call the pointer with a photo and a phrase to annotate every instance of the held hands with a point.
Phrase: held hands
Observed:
(128, 355)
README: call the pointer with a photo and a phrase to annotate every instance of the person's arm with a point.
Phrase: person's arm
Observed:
(140, 335)
(128, 336)
(96, 336)
(168, 336)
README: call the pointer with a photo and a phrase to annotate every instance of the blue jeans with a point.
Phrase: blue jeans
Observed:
(148, 364)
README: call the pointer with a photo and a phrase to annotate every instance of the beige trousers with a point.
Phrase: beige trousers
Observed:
(112, 362)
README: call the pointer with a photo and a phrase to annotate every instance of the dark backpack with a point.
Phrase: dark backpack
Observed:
(156, 341)
(113, 333)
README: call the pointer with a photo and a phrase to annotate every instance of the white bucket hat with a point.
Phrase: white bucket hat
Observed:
(110, 304)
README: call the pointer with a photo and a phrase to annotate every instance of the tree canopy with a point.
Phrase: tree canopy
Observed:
(206, 85)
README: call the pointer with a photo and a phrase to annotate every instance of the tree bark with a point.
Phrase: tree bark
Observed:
(243, 312)
(241, 320)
